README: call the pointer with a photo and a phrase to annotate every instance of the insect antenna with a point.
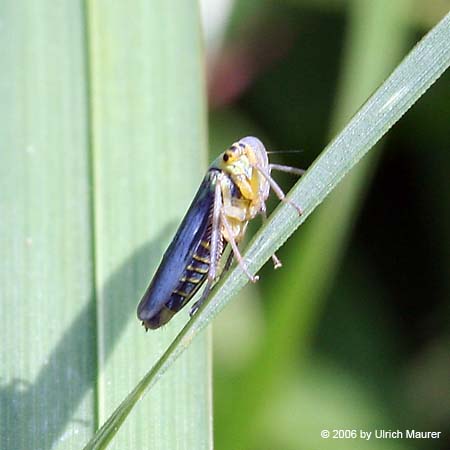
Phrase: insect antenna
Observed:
(272, 152)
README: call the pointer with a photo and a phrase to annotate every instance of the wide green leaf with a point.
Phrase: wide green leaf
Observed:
(47, 315)
(102, 114)
(148, 130)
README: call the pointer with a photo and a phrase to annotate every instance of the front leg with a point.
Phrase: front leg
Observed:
(275, 188)
(232, 241)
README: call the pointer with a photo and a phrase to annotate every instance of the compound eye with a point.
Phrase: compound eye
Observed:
(231, 154)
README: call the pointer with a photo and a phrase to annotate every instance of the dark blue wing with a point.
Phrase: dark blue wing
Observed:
(180, 251)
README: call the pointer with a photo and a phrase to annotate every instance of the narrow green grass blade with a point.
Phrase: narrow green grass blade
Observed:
(426, 62)
(148, 134)
(317, 250)
(47, 325)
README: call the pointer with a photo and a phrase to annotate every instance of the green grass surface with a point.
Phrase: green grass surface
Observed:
(102, 113)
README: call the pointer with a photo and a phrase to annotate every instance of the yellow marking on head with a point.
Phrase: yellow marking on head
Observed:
(232, 154)
(240, 171)
(239, 163)
(251, 155)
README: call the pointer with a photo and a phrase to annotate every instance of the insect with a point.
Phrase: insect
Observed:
(233, 192)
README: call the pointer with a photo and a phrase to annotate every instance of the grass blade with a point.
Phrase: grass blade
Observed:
(148, 130)
(47, 304)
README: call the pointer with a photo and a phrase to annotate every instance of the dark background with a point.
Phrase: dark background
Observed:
(373, 350)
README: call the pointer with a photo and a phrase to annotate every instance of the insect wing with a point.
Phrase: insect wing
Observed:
(180, 251)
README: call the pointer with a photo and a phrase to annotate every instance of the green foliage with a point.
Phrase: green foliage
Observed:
(102, 115)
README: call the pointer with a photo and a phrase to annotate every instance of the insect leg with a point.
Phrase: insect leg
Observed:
(215, 232)
(287, 169)
(276, 261)
(235, 249)
(278, 191)
(213, 256)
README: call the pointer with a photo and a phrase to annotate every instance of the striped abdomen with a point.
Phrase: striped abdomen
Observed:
(195, 272)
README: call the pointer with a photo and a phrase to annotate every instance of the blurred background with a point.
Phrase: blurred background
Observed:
(353, 331)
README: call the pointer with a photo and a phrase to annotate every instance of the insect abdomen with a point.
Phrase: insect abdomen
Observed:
(192, 278)
(190, 281)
